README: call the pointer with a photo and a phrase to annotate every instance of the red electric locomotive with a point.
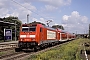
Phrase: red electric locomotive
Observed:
(34, 36)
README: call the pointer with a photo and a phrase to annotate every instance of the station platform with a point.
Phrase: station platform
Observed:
(11, 42)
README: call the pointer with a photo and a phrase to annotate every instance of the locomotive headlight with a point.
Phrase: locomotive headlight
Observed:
(21, 39)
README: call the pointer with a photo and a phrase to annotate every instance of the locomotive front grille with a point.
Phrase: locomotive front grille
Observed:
(27, 44)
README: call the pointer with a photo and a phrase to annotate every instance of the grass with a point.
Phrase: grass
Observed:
(69, 51)
(6, 52)
(1, 53)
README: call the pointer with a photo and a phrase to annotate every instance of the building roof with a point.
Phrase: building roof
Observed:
(2, 23)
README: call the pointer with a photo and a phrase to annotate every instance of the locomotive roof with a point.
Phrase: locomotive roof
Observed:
(42, 25)
(50, 28)
(2, 23)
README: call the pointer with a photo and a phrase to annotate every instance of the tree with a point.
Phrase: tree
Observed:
(58, 26)
(10, 20)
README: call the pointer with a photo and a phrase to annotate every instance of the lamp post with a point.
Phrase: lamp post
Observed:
(15, 28)
(27, 18)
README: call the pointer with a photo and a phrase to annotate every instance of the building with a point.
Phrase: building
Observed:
(82, 35)
(2, 23)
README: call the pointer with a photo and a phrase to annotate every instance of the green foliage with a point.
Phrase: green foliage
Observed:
(69, 51)
(58, 26)
(1, 53)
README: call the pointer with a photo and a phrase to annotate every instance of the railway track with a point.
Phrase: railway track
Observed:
(13, 56)
(7, 49)
(23, 55)
(9, 46)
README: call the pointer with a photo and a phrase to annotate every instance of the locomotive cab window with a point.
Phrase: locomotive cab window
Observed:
(32, 28)
(26, 29)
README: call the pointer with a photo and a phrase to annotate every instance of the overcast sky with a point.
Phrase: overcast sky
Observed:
(74, 15)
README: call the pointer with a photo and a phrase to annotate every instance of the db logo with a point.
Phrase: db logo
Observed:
(27, 35)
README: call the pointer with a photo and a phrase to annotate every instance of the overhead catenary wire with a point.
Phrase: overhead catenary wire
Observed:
(28, 9)
(31, 11)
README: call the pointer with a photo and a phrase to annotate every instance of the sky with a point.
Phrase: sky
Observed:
(73, 15)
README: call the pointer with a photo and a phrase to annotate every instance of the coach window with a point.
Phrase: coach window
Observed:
(40, 29)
